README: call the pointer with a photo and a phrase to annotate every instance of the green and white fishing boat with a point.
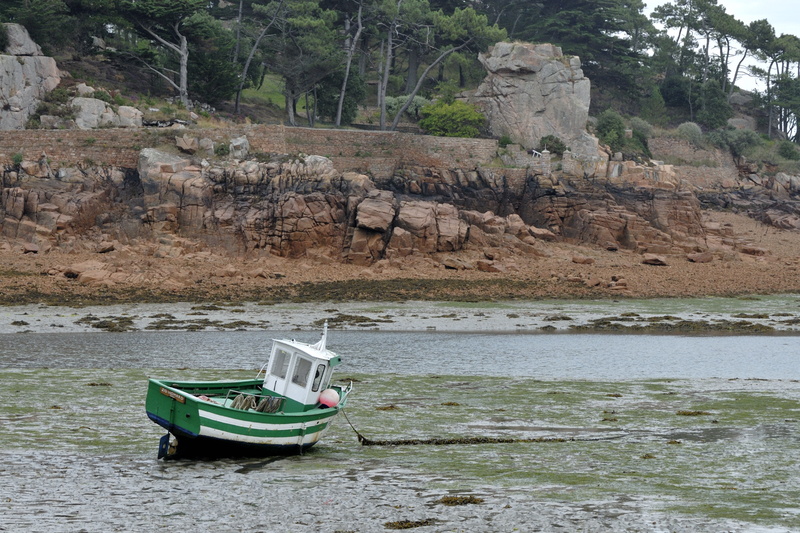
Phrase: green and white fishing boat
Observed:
(286, 411)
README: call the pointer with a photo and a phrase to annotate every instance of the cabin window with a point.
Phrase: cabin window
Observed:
(318, 377)
(301, 371)
(280, 365)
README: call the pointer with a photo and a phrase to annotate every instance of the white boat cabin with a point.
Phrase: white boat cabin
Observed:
(300, 371)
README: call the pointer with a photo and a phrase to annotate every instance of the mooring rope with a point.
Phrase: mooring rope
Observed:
(361, 438)
(457, 440)
(463, 440)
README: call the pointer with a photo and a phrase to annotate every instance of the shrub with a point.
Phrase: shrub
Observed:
(675, 91)
(689, 131)
(328, 96)
(720, 138)
(458, 119)
(447, 91)
(504, 141)
(641, 127)
(394, 103)
(611, 129)
(737, 141)
(102, 95)
(788, 150)
(552, 144)
(637, 145)
(59, 95)
(222, 149)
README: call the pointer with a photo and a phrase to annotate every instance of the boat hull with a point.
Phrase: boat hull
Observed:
(206, 427)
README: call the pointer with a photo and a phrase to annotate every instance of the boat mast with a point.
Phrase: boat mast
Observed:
(322, 342)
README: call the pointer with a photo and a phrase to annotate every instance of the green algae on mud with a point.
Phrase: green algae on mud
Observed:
(750, 429)
(671, 324)
(337, 291)
(729, 466)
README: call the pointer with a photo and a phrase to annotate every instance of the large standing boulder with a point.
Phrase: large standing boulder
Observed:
(92, 113)
(129, 117)
(25, 77)
(533, 90)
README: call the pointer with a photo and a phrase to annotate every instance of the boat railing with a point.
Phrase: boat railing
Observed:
(263, 403)
(263, 370)
(346, 388)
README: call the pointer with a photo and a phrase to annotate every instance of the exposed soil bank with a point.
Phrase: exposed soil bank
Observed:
(206, 276)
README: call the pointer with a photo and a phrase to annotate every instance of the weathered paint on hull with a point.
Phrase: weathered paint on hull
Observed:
(191, 446)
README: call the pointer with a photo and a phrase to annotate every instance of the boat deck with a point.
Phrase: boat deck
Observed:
(247, 400)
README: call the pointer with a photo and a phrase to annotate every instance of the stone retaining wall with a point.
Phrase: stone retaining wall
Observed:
(700, 167)
(375, 152)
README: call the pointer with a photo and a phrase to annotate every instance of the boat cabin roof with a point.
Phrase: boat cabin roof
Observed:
(312, 350)
(317, 351)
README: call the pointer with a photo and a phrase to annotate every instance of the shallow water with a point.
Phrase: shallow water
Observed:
(535, 355)
(80, 455)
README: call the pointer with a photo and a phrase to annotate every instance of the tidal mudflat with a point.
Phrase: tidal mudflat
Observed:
(649, 455)
(750, 315)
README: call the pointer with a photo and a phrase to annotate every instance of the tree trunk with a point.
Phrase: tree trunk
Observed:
(413, 68)
(350, 52)
(310, 113)
(686, 39)
(707, 58)
(184, 72)
(424, 75)
(289, 103)
(246, 68)
(384, 77)
(725, 55)
(736, 73)
(181, 49)
(769, 100)
(386, 64)
(238, 32)
(363, 57)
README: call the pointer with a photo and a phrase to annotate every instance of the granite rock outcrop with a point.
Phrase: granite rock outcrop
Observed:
(302, 206)
(26, 76)
(533, 90)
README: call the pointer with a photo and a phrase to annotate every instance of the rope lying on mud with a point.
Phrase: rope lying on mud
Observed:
(457, 440)
(462, 440)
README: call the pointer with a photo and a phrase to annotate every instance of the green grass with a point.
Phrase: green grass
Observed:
(270, 94)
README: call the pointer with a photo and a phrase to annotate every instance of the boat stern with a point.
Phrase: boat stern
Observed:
(172, 409)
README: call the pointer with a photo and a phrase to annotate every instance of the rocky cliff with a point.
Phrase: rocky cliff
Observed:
(300, 206)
